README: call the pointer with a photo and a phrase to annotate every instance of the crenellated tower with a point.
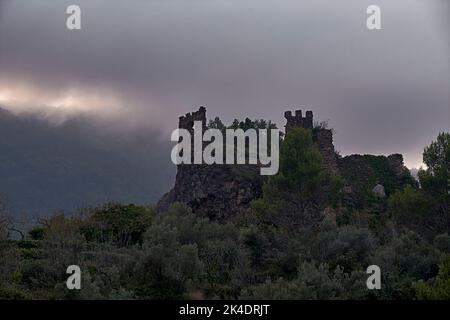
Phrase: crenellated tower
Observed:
(298, 121)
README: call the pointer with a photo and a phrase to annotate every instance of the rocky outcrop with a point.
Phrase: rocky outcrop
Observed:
(214, 191)
(363, 172)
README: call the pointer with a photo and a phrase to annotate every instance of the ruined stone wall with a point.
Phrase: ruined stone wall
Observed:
(363, 172)
(324, 140)
(187, 121)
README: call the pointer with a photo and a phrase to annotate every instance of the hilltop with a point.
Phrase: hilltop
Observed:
(221, 191)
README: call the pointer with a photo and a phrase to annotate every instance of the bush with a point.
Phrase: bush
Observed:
(438, 288)
(312, 282)
(123, 225)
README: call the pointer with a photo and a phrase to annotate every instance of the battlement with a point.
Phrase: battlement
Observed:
(187, 121)
(298, 121)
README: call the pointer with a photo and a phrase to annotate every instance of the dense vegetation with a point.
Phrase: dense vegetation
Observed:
(298, 241)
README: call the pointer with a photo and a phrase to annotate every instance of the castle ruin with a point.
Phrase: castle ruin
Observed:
(220, 191)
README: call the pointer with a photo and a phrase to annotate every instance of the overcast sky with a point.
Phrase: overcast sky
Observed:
(146, 62)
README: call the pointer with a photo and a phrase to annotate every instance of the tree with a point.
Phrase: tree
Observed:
(169, 260)
(216, 124)
(280, 225)
(403, 261)
(435, 180)
(437, 155)
(7, 225)
(348, 247)
(302, 188)
(124, 225)
(312, 282)
(252, 124)
(427, 210)
(225, 263)
(438, 288)
(417, 211)
(4, 223)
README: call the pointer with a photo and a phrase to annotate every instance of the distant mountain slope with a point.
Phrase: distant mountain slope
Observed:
(44, 167)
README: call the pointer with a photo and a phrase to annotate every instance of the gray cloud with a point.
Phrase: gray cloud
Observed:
(383, 91)
(45, 168)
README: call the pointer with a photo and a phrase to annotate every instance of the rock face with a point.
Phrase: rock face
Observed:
(220, 191)
(214, 191)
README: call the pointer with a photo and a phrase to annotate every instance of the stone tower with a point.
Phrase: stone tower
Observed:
(297, 121)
